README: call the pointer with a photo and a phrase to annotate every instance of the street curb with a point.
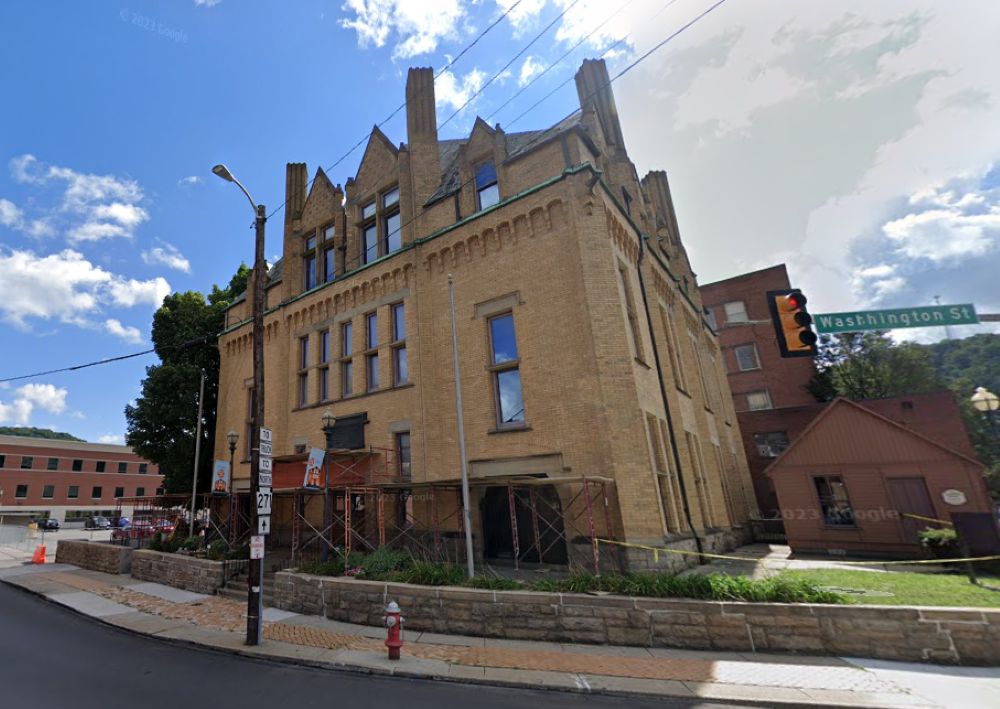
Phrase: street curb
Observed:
(509, 684)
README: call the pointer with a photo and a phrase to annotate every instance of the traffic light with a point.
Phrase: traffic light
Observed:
(792, 324)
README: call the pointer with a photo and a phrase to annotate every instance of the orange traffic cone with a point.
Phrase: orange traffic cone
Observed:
(39, 557)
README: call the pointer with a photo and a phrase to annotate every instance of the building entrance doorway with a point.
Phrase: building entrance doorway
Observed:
(540, 535)
(909, 496)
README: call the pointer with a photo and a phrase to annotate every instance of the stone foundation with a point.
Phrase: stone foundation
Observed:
(96, 556)
(179, 571)
(953, 635)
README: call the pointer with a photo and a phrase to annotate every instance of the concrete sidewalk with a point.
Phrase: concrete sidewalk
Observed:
(755, 679)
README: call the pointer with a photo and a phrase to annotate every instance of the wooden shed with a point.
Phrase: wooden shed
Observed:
(847, 482)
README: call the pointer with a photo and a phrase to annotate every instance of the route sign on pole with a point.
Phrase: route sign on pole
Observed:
(257, 547)
(264, 525)
(924, 316)
(263, 500)
(265, 435)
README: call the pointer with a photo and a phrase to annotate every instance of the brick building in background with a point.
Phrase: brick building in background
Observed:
(769, 391)
(68, 480)
(581, 337)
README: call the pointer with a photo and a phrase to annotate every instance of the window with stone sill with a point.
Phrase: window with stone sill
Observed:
(303, 373)
(371, 351)
(400, 373)
(505, 368)
(736, 311)
(309, 260)
(746, 357)
(381, 226)
(487, 187)
(758, 400)
(323, 370)
(346, 360)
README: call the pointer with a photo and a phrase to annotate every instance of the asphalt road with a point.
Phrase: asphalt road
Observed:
(52, 657)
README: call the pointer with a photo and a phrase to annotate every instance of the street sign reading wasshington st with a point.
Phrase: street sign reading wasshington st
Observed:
(929, 316)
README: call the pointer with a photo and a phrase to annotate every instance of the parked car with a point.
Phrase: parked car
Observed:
(142, 528)
(120, 522)
(48, 524)
(97, 522)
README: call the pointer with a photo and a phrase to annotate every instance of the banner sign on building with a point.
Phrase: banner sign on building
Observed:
(313, 467)
(927, 316)
(220, 477)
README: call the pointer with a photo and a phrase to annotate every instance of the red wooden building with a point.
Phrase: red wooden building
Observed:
(848, 482)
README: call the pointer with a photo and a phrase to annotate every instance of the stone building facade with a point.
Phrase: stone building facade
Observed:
(582, 342)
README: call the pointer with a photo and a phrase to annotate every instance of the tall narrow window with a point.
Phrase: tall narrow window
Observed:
(346, 362)
(505, 366)
(248, 424)
(487, 189)
(833, 501)
(675, 356)
(323, 372)
(392, 236)
(696, 349)
(369, 233)
(371, 351)
(309, 262)
(403, 454)
(633, 320)
(400, 375)
(329, 263)
(303, 392)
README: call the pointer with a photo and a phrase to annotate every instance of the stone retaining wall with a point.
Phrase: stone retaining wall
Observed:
(179, 571)
(96, 556)
(953, 635)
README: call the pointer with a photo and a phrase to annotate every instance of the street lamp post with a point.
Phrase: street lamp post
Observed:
(232, 437)
(328, 421)
(255, 580)
(987, 403)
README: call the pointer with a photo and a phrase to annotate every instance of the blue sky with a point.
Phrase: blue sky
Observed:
(853, 143)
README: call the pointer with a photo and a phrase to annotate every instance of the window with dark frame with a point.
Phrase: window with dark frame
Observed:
(400, 373)
(3, 460)
(505, 368)
(392, 235)
(346, 360)
(403, 454)
(52, 464)
(371, 351)
(96, 492)
(77, 465)
(248, 424)
(27, 462)
(834, 503)
(323, 371)
(20, 492)
(487, 188)
(100, 466)
(73, 492)
(123, 467)
(309, 258)
(143, 467)
(329, 254)
(746, 357)
(48, 492)
(770, 444)
(119, 492)
(140, 492)
(303, 376)
(675, 362)
(369, 233)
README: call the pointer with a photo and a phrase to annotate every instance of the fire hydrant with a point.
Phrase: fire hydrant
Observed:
(394, 625)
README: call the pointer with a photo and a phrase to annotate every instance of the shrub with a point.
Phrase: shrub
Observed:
(334, 567)
(932, 537)
(217, 550)
(384, 561)
(430, 574)
(493, 583)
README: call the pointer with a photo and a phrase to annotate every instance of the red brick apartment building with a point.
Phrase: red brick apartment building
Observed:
(69, 480)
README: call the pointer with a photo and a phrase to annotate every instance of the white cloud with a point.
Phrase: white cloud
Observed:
(126, 332)
(168, 255)
(97, 206)
(944, 235)
(529, 70)
(419, 26)
(66, 287)
(10, 214)
(118, 438)
(524, 14)
(26, 398)
(190, 180)
(449, 91)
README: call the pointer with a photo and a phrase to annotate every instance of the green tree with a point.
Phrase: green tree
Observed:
(32, 432)
(870, 365)
(163, 420)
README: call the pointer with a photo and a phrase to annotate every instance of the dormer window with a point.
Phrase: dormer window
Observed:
(381, 226)
(309, 261)
(487, 189)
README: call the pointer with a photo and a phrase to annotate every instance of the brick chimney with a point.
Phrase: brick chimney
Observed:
(594, 89)
(296, 179)
(421, 133)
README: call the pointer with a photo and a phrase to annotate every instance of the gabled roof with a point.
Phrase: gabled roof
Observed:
(842, 404)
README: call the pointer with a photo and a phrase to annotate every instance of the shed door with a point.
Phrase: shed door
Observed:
(909, 496)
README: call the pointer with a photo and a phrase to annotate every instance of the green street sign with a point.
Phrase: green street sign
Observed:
(929, 316)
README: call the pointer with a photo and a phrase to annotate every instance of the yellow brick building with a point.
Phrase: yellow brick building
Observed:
(581, 336)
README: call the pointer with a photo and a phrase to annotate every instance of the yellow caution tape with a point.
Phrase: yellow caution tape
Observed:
(656, 556)
(926, 519)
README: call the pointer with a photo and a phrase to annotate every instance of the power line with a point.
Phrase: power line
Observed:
(401, 106)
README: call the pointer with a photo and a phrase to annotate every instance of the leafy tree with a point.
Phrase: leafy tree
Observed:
(163, 420)
(870, 365)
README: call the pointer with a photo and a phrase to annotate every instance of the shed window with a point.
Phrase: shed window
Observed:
(833, 501)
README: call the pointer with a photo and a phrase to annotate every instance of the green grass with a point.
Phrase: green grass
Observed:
(902, 588)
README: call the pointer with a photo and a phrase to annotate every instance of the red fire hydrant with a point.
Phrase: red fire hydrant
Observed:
(394, 625)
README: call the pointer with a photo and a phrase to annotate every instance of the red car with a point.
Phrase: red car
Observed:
(143, 528)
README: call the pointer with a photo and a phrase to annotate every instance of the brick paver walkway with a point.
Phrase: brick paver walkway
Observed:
(225, 614)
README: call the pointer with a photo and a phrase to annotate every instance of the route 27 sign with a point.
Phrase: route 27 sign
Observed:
(264, 498)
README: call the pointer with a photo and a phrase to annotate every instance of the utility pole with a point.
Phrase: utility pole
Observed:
(466, 516)
(197, 451)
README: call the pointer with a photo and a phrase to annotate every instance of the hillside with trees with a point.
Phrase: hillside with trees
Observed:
(32, 432)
